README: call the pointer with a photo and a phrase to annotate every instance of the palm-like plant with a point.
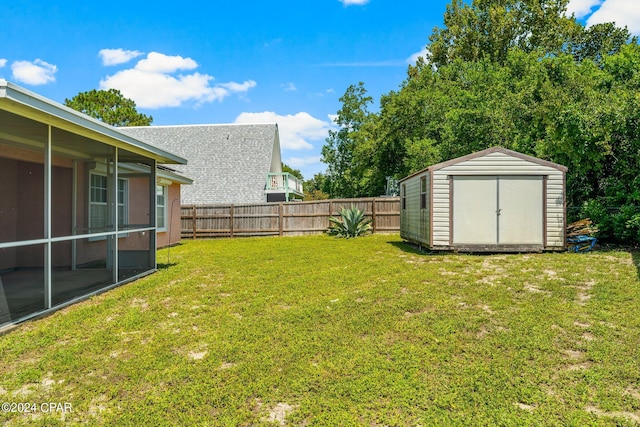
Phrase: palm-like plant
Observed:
(351, 223)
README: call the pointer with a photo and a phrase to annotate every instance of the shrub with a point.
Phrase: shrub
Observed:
(351, 223)
(620, 224)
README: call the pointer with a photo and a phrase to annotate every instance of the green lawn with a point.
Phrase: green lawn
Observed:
(335, 332)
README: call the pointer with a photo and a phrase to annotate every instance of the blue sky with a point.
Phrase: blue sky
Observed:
(197, 62)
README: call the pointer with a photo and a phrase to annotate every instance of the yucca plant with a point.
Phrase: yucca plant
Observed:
(351, 223)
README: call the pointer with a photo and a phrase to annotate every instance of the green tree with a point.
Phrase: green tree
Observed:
(490, 28)
(601, 40)
(338, 152)
(521, 75)
(317, 188)
(292, 171)
(109, 106)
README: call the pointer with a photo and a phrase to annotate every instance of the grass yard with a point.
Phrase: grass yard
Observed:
(320, 331)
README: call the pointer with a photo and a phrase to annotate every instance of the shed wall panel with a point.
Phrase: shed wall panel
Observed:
(412, 224)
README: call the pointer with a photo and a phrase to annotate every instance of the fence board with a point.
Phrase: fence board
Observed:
(283, 219)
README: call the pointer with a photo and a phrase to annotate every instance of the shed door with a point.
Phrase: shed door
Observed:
(475, 201)
(521, 210)
(506, 210)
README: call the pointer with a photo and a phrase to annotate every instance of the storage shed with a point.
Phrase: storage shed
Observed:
(495, 200)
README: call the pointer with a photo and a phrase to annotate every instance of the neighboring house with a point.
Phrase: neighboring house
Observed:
(80, 205)
(491, 200)
(229, 163)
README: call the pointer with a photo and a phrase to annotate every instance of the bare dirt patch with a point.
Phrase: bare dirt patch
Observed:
(579, 366)
(574, 354)
(633, 392)
(631, 416)
(525, 407)
(140, 303)
(482, 332)
(197, 355)
(588, 336)
(534, 289)
(279, 413)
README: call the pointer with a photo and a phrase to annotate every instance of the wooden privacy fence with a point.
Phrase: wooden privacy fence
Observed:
(283, 219)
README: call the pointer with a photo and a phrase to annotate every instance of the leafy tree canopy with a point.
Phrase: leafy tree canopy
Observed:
(513, 73)
(292, 171)
(317, 188)
(109, 106)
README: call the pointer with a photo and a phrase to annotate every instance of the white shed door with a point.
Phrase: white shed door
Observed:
(475, 201)
(506, 210)
(521, 210)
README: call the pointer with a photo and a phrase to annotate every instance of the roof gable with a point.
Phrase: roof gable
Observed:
(502, 150)
(488, 152)
(228, 163)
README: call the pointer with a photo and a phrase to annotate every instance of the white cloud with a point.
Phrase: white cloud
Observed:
(160, 63)
(295, 130)
(3, 62)
(300, 162)
(34, 73)
(238, 87)
(289, 87)
(414, 58)
(354, 2)
(151, 83)
(117, 56)
(582, 8)
(622, 12)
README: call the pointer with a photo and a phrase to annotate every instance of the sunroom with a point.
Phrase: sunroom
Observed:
(78, 205)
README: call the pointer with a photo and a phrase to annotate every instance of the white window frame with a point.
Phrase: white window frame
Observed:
(123, 214)
(164, 207)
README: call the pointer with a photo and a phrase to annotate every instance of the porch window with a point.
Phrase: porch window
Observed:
(161, 207)
(98, 206)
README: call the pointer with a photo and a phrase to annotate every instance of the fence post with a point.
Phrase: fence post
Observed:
(330, 213)
(194, 224)
(373, 215)
(231, 220)
(280, 219)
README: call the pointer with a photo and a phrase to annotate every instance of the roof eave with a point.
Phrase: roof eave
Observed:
(485, 152)
(37, 107)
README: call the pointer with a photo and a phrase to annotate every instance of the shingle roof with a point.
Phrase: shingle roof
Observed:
(228, 163)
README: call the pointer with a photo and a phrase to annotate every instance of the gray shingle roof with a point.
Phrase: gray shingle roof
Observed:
(228, 163)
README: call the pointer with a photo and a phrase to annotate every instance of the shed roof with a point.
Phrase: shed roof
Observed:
(227, 162)
(486, 152)
(23, 102)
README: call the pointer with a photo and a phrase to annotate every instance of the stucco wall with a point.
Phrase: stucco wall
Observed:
(174, 223)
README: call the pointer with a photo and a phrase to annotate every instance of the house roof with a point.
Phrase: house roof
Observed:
(23, 102)
(486, 152)
(227, 162)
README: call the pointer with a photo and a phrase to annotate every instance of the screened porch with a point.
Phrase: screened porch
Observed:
(77, 205)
